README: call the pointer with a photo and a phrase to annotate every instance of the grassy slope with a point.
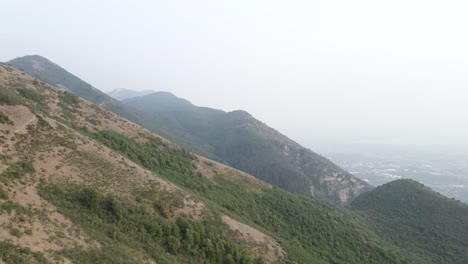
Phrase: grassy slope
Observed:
(99, 192)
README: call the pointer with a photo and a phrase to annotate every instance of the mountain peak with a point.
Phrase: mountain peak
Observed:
(122, 93)
(33, 57)
(161, 101)
(241, 113)
(36, 62)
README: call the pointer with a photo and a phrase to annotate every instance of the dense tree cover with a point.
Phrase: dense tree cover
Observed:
(117, 222)
(419, 220)
(241, 141)
(311, 231)
(154, 154)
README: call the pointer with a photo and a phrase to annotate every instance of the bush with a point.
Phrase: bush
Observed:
(140, 230)
(3, 194)
(4, 119)
(10, 253)
(69, 99)
(18, 170)
(8, 96)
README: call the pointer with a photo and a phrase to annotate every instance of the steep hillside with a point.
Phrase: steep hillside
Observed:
(122, 94)
(51, 73)
(66, 197)
(418, 219)
(240, 140)
(80, 184)
(236, 138)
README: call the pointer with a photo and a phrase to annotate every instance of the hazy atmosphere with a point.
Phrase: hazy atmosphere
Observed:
(321, 71)
(125, 134)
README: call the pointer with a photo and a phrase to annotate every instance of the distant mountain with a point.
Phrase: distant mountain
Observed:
(418, 219)
(238, 139)
(122, 94)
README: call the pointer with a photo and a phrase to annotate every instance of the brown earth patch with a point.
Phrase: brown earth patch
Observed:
(265, 245)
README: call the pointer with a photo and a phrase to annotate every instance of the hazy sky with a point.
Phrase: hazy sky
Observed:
(318, 71)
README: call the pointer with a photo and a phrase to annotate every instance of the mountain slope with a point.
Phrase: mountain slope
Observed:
(80, 199)
(81, 184)
(418, 219)
(234, 138)
(238, 139)
(51, 73)
(122, 94)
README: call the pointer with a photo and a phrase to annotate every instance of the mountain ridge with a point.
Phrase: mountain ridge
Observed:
(219, 132)
(300, 172)
(80, 184)
(135, 197)
(122, 93)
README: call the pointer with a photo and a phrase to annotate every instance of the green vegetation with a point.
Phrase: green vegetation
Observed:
(114, 222)
(17, 170)
(154, 155)
(69, 99)
(417, 219)
(10, 253)
(310, 231)
(68, 103)
(30, 95)
(16, 93)
(238, 139)
(3, 194)
(8, 96)
(4, 119)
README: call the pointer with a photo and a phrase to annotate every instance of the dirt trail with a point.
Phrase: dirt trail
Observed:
(25, 125)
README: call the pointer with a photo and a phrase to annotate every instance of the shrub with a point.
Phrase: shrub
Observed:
(8, 96)
(18, 170)
(4, 119)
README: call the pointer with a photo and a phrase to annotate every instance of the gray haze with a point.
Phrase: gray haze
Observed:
(318, 71)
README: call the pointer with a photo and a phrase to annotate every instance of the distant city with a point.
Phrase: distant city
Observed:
(442, 168)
